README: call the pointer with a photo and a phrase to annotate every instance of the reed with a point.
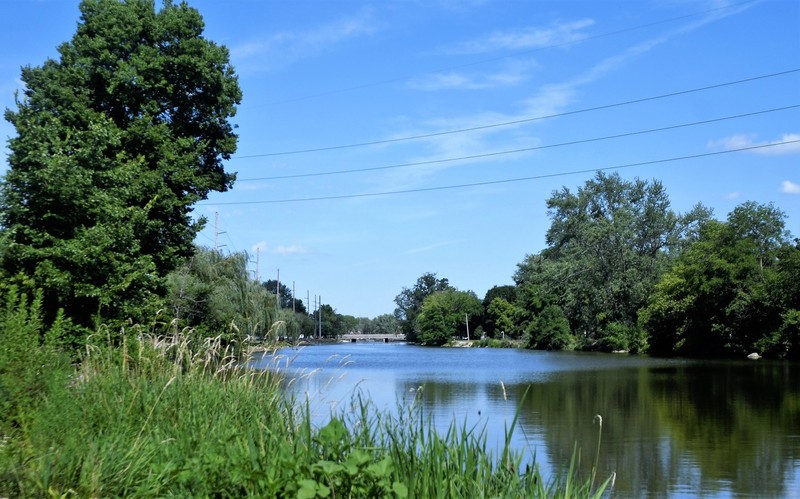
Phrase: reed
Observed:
(148, 415)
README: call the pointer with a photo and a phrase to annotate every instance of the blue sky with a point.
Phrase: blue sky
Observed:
(525, 76)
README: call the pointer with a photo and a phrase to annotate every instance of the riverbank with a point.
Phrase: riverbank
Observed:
(142, 420)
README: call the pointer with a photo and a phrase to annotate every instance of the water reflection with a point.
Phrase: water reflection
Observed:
(670, 428)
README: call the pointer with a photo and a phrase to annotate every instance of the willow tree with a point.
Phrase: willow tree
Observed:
(116, 140)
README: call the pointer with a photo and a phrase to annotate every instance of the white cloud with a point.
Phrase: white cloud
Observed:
(526, 38)
(549, 99)
(512, 74)
(292, 249)
(765, 147)
(789, 187)
(287, 46)
(733, 195)
(259, 246)
(283, 250)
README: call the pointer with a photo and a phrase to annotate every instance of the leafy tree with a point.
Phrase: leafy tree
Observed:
(549, 330)
(732, 292)
(287, 299)
(214, 295)
(445, 314)
(607, 246)
(502, 318)
(409, 302)
(506, 293)
(115, 141)
(382, 324)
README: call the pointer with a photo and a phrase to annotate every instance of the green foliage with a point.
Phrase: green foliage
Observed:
(30, 360)
(212, 295)
(409, 302)
(152, 418)
(382, 324)
(287, 299)
(115, 141)
(334, 324)
(502, 318)
(444, 315)
(549, 330)
(607, 246)
(732, 292)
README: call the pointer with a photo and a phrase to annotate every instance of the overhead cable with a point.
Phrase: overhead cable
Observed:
(516, 151)
(516, 122)
(510, 180)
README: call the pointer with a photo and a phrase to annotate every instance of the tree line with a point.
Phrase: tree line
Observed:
(621, 271)
(128, 128)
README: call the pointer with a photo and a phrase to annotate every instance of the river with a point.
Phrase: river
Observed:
(671, 428)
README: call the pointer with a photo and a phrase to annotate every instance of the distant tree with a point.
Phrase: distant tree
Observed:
(287, 299)
(385, 324)
(506, 293)
(732, 292)
(409, 302)
(445, 314)
(115, 142)
(213, 295)
(607, 246)
(549, 330)
(502, 319)
(333, 323)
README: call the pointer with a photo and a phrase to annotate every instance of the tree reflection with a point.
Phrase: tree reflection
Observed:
(668, 429)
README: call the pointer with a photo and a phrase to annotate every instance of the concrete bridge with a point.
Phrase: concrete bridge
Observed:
(383, 338)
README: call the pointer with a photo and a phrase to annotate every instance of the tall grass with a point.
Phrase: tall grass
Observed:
(158, 416)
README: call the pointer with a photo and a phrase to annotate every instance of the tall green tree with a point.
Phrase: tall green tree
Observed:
(732, 292)
(607, 246)
(116, 140)
(446, 314)
(409, 302)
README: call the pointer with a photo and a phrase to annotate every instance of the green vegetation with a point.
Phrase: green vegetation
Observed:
(445, 312)
(115, 141)
(144, 415)
(623, 272)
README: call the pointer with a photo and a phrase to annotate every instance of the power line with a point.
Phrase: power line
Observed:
(505, 181)
(510, 56)
(517, 122)
(525, 149)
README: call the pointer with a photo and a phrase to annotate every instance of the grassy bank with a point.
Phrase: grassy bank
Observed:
(156, 417)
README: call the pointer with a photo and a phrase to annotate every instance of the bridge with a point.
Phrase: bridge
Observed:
(384, 338)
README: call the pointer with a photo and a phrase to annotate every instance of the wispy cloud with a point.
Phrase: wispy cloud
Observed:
(789, 187)
(766, 147)
(526, 38)
(282, 250)
(513, 73)
(549, 99)
(281, 48)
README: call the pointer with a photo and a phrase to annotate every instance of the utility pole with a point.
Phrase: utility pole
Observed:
(294, 300)
(278, 290)
(320, 317)
(217, 232)
(258, 252)
(466, 321)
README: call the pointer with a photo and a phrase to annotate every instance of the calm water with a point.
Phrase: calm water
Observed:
(671, 428)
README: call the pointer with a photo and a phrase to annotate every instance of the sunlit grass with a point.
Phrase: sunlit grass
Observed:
(158, 416)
